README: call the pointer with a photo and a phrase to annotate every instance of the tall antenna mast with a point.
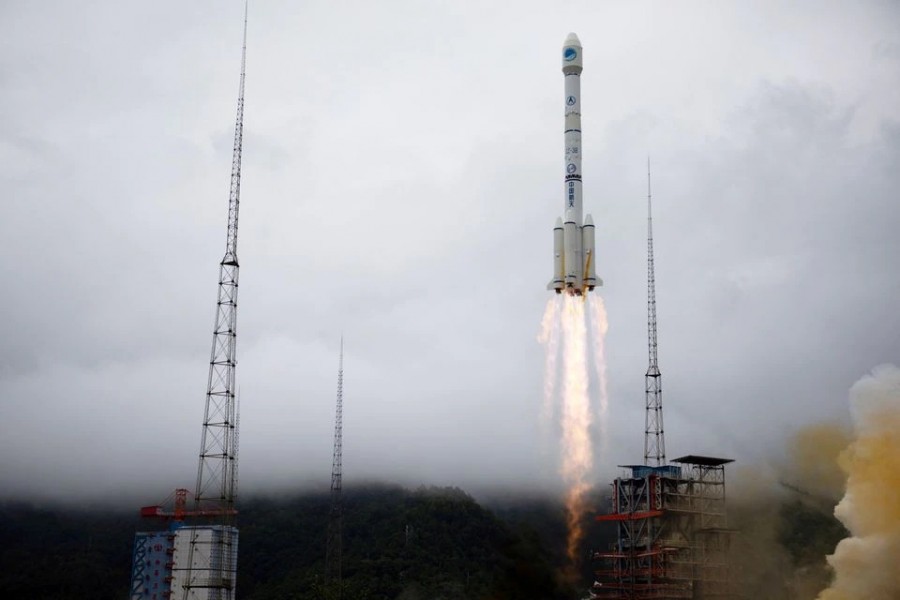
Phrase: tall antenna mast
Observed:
(333, 550)
(654, 439)
(216, 485)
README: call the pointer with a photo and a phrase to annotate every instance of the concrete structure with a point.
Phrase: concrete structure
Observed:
(205, 562)
(161, 560)
(151, 565)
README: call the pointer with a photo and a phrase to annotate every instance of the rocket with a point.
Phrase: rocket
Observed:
(573, 239)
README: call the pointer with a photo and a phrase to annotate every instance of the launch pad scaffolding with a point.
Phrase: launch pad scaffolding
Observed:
(673, 541)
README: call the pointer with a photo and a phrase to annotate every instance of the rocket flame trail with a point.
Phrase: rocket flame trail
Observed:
(865, 565)
(577, 455)
(549, 338)
(565, 326)
(599, 326)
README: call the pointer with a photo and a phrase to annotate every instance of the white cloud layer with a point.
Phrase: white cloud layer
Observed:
(402, 174)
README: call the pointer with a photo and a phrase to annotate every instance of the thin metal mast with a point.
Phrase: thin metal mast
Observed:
(216, 473)
(654, 439)
(334, 547)
(235, 478)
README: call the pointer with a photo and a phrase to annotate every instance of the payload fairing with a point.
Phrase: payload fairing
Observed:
(573, 240)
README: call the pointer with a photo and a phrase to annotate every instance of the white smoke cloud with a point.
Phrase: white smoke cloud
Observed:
(865, 564)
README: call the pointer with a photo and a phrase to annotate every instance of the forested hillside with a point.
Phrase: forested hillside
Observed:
(399, 544)
(428, 543)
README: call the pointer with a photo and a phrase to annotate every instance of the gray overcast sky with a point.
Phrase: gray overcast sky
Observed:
(403, 170)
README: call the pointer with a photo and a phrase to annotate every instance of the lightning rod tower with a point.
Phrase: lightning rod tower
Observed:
(216, 473)
(654, 439)
(334, 549)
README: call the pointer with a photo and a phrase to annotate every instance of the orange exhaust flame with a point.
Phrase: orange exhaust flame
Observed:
(564, 327)
(577, 455)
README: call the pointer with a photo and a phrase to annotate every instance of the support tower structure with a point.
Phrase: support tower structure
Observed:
(334, 543)
(211, 567)
(654, 433)
(672, 539)
(196, 557)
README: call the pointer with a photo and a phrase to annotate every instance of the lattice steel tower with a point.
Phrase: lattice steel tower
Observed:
(334, 543)
(654, 439)
(211, 573)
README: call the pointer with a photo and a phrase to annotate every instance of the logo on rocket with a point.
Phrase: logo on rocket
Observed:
(574, 266)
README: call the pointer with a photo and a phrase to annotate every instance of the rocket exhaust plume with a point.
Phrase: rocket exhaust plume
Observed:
(549, 338)
(577, 454)
(865, 564)
(565, 327)
(599, 326)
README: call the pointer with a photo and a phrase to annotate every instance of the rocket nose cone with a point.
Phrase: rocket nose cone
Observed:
(572, 40)
(559, 222)
(588, 220)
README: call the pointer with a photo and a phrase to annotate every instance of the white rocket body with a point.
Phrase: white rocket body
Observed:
(573, 240)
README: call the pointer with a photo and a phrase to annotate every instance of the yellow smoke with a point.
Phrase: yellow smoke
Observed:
(813, 466)
(867, 564)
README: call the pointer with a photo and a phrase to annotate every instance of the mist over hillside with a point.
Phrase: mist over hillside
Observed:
(399, 543)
